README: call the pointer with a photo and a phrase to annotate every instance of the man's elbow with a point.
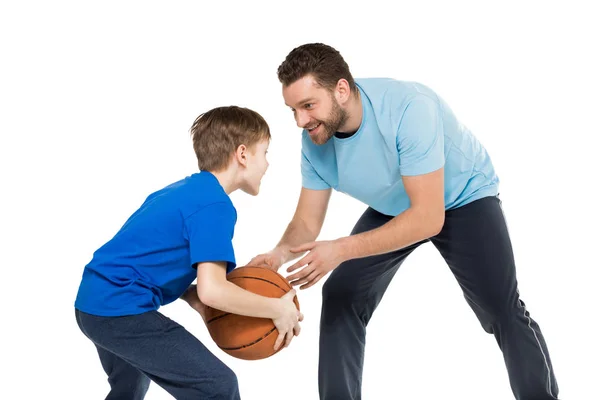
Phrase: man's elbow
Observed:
(436, 223)
(432, 221)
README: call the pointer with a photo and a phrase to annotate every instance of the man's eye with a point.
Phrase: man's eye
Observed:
(309, 105)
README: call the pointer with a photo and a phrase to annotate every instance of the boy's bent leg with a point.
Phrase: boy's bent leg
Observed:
(126, 381)
(165, 352)
(476, 245)
(350, 296)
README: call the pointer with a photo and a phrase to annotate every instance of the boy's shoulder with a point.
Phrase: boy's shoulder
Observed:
(191, 194)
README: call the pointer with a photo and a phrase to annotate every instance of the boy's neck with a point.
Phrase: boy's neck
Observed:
(226, 179)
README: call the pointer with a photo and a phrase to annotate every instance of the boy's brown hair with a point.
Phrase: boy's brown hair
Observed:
(216, 135)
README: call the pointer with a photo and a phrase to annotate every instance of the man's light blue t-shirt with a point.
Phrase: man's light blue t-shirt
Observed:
(406, 130)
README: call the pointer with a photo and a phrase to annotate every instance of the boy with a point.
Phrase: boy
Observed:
(180, 233)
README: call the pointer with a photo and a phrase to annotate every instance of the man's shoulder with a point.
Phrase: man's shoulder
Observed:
(389, 91)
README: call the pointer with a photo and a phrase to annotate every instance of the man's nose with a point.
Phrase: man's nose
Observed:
(302, 118)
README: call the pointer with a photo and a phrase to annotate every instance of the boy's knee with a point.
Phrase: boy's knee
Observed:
(226, 384)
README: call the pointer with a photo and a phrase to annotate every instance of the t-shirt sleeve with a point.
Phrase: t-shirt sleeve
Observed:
(310, 177)
(210, 233)
(420, 138)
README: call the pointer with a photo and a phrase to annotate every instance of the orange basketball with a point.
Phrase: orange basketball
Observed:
(243, 337)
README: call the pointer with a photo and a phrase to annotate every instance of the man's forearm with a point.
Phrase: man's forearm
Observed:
(297, 233)
(408, 228)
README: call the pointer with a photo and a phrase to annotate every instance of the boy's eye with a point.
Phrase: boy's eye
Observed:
(308, 105)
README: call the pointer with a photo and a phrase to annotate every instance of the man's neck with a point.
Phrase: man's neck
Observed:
(355, 115)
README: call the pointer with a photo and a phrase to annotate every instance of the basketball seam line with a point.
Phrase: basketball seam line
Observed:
(249, 344)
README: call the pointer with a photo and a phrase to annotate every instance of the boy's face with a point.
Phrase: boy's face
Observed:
(256, 167)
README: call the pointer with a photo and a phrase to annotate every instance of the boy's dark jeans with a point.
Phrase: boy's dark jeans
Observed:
(136, 349)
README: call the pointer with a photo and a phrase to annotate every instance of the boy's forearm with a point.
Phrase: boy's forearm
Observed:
(228, 297)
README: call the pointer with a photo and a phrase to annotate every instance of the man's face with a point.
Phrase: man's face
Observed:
(315, 108)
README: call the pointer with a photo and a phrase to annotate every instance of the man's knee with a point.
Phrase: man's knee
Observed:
(341, 286)
(492, 313)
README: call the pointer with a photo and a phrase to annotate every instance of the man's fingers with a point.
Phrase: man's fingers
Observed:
(300, 263)
(256, 261)
(312, 282)
(300, 274)
(306, 279)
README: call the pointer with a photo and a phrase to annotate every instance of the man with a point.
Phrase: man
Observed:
(397, 147)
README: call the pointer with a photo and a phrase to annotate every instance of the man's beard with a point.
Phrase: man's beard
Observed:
(337, 118)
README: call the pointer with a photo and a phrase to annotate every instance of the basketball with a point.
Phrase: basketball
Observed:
(240, 336)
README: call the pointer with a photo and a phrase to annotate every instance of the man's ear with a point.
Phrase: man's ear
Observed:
(342, 91)
(241, 154)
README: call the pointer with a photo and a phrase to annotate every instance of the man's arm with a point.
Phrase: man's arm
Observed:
(422, 220)
(304, 227)
(307, 221)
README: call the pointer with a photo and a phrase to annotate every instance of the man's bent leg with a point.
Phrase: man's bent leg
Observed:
(350, 296)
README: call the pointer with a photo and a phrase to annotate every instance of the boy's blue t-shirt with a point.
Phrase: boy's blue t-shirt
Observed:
(151, 260)
(406, 130)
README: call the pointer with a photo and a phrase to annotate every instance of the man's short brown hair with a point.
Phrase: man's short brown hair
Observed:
(321, 61)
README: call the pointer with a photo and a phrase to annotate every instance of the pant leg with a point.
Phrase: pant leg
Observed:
(476, 245)
(126, 381)
(350, 296)
(165, 352)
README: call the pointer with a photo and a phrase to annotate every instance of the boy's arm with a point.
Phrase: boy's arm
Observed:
(214, 290)
(190, 296)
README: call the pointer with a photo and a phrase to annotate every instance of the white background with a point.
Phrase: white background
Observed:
(96, 100)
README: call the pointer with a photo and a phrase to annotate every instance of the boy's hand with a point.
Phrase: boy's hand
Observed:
(191, 297)
(201, 308)
(288, 323)
(272, 260)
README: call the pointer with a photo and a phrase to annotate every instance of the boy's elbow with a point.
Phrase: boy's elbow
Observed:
(209, 295)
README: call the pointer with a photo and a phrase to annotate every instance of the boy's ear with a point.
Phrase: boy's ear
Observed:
(241, 154)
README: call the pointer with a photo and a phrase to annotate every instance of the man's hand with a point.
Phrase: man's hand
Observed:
(272, 260)
(323, 257)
